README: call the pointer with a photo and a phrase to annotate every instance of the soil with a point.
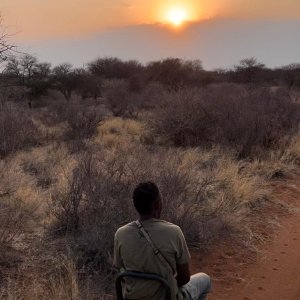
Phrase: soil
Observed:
(273, 271)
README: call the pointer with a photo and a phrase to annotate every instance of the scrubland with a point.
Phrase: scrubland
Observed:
(68, 169)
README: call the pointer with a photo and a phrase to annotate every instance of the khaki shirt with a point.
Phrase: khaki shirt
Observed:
(132, 252)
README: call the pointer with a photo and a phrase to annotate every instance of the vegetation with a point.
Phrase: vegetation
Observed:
(75, 142)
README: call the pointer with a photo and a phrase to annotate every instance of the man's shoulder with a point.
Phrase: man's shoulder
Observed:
(168, 225)
(125, 228)
(161, 224)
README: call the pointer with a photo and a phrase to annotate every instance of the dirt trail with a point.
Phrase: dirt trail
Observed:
(275, 274)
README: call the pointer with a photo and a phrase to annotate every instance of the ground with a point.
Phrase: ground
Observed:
(274, 272)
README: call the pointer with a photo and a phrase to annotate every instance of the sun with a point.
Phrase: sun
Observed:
(176, 16)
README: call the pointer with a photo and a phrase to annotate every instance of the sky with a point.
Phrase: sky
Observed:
(218, 32)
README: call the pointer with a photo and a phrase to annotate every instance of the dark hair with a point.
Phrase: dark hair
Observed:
(144, 196)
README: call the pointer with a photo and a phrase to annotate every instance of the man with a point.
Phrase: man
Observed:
(134, 252)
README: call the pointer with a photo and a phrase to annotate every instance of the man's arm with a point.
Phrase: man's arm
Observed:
(117, 263)
(182, 261)
(183, 274)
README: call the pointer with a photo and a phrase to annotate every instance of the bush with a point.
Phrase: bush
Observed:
(175, 73)
(17, 202)
(248, 121)
(115, 132)
(82, 122)
(17, 130)
(14, 216)
(120, 100)
(94, 204)
(199, 189)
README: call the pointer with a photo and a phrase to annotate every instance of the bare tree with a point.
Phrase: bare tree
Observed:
(175, 73)
(248, 70)
(6, 47)
(13, 67)
(42, 70)
(21, 67)
(66, 79)
(114, 68)
(28, 63)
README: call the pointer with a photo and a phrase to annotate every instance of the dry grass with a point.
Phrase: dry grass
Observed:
(51, 132)
(61, 285)
(19, 199)
(17, 130)
(115, 132)
(77, 199)
(292, 153)
(199, 188)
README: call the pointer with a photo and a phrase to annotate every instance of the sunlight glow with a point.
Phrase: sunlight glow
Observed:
(177, 16)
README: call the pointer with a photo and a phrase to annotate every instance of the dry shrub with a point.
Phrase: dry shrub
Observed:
(279, 164)
(182, 120)
(115, 132)
(42, 163)
(18, 202)
(17, 130)
(152, 95)
(13, 216)
(248, 121)
(58, 281)
(12, 93)
(49, 131)
(82, 123)
(123, 102)
(120, 100)
(203, 192)
(291, 153)
(90, 204)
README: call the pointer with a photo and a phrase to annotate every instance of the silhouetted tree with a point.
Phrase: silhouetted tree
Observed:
(13, 68)
(119, 99)
(28, 63)
(42, 71)
(248, 70)
(65, 79)
(114, 68)
(6, 47)
(175, 73)
(290, 75)
(21, 67)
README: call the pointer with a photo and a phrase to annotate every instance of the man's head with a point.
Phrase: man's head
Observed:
(146, 199)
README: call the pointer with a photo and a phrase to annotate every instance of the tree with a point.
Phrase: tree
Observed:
(22, 67)
(119, 99)
(6, 47)
(13, 68)
(290, 75)
(114, 68)
(28, 63)
(248, 69)
(65, 79)
(42, 71)
(89, 85)
(175, 73)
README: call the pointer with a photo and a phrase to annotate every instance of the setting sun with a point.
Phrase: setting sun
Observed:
(177, 16)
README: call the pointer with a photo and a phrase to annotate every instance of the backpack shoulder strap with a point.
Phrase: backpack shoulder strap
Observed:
(156, 251)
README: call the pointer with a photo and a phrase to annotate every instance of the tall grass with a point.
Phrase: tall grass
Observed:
(64, 193)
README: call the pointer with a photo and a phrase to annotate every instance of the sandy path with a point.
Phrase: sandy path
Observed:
(275, 275)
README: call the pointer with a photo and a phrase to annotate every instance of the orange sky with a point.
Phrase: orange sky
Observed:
(54, 18)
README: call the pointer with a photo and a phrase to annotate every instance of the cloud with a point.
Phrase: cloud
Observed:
(126, 5)
(217, 42)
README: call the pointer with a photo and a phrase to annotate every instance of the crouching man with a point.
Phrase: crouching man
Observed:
(151, 245)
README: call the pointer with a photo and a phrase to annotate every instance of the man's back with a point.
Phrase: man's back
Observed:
(133, 252)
